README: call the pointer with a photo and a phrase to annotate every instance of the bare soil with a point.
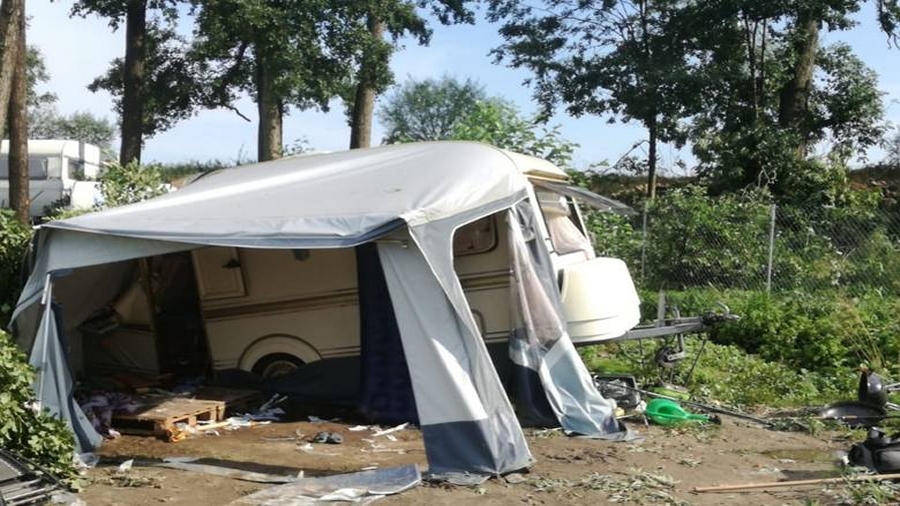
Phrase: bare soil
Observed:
(663, 468)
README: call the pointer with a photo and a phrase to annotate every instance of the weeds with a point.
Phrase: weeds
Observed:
(640, 486)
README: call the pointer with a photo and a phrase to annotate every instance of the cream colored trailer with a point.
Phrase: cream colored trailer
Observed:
(270, 310)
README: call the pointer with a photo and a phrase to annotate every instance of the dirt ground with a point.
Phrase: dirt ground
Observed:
(661, 469)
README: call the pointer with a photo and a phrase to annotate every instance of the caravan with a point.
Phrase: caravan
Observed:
(443, 282)
(58, 171)
(270, 311)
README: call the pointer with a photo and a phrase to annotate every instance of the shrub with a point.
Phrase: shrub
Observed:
(129, 183)
(828, 331)
(14, 241)
(34, 435)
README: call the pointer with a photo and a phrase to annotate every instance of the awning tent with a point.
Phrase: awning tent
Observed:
(410, 198)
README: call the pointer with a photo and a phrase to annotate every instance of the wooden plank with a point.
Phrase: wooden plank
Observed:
(163, 415)
(233, 398)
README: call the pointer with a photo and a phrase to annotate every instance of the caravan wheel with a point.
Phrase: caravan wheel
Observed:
(276, 364)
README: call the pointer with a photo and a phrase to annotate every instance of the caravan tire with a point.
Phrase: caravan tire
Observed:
(276, 364)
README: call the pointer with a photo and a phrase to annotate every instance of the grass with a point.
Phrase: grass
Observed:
(725, 374)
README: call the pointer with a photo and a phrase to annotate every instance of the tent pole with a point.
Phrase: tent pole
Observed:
(46, 301)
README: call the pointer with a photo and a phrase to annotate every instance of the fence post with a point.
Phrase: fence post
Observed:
(644, 241)
(771, 248)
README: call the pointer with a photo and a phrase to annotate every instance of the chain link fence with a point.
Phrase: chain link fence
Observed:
(733, 243)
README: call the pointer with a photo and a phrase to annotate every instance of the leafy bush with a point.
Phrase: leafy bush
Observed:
(14, 240)
(827, 331)
(32, 434)
(695, 240)
(726, 374)
(129, 183)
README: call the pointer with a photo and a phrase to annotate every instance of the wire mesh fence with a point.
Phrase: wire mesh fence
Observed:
(689, 242)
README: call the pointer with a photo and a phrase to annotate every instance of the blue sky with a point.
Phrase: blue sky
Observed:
(76, 50)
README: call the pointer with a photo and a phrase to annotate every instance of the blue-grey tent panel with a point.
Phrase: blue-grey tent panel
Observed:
(540, 340)
(53, 385)
(467, 422)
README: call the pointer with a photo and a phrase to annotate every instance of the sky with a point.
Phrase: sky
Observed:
(76, 50)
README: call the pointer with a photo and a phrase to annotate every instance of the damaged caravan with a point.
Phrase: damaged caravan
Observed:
(452, 277)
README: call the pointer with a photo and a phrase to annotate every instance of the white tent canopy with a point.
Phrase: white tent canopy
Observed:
(415, 194)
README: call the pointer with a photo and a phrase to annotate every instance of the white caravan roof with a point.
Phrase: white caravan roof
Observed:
(335, 199)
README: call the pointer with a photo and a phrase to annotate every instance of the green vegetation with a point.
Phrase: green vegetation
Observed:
(23, 429)
(14, 240)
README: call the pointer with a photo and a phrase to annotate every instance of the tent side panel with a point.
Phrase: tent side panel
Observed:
(541, 342)
(465, 428)
(53, 383)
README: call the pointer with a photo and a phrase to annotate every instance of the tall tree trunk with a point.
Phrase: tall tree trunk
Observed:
(795, 94)
(652, 131)
(271, 115)
(19, 199)
(135, 76)
(364, 104)
(10, 13)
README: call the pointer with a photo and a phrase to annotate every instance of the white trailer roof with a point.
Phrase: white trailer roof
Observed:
(338, 199)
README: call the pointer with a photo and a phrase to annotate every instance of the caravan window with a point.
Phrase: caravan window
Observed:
(479, 236)
(566, 230)
(75, 170)
(37, 167)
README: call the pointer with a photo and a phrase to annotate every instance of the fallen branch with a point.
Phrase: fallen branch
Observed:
(797, 483)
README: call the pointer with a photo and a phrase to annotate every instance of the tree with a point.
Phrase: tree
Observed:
(19, 197)
(432, 110)
(45, 122)
(10, 13)
(37, 74)
(429, 110)
(397, 17)
(752, 128)
(892, 148)
(80, 126)
(602, 57)
(171, 91)
(284, 54)
(370, 77)
(133, 13)
(499, 123)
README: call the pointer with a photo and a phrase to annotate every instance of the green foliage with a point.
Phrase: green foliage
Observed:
(126, 184)
(45, 122)
(36, 72)
(500, 124)
(694, 239)
(892, 150)
(80, 126)
(14, 243)
(826, 331)
(726, 374)
(171, 89)
(34, 434)
(428, 110)
(577, 49)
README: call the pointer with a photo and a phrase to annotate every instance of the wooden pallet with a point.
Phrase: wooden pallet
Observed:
(161, 416)
(234, 399)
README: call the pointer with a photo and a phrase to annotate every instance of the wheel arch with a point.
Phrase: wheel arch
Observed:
(277, 343)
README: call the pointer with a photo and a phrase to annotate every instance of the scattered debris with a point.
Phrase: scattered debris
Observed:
(798, 483)
(308, 448)
(385, 432)
(328, 437)
(362, 487)
(630, 488)
(124, 467)
(192, 464)
(85, 460)
(515, 478)
(690, 462)
(22, 482)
